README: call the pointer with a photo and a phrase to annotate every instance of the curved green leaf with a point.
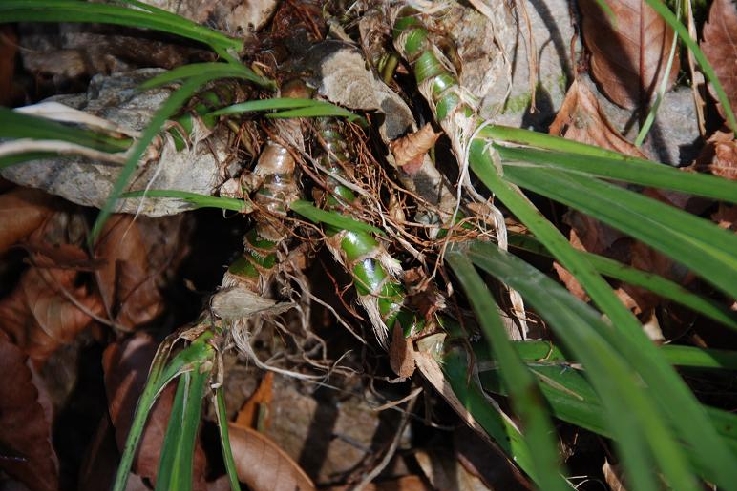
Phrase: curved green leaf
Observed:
(663, 287)
(522, 386)
(342, 222)
(621, 168)
(134, 14)
(197, 200)
(709, 251)
(611, 360)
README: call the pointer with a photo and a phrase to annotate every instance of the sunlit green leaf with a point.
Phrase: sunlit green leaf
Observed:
(130, 14)
(311, 212)
(522, 386)
(197, 200)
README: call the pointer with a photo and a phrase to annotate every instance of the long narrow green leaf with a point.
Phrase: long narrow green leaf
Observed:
(137, 15)
(567, 391)
(571, 396)
(657, 284)
(214, 70)
(323, 110)
(230, 468)
(622, 168)
(288, 107)
(527, 138)
(161, 374)
(689, 356)
(197, 200)
(167, 109)
(172, 446)
(522, 387)
(177, 452)
(311, 212)
(637, 424)
(677, 403)
(271, 104)
(706, 249)
(455, 363)
(19, 125)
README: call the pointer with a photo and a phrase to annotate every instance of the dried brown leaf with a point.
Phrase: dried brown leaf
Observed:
(726, 217)
(581, 119)
(250, 414)
(718, 157)
(46, 309)
(136, 254)
(8, 50)
(101, 458)
(724, 163)
(401, 354)
(720, 47)
(647, 259)
(591, 235)
(613, 476)
(629, 50)
(25, 428)
(404, 483)
(126, 365)
(264, 466)
(22, 210)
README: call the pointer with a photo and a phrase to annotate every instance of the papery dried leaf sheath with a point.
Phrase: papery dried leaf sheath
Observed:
(410, 150)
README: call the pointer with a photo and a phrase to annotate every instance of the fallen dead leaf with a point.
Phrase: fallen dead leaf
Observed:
(724, 163)
(136, 254)
(581, 119)
(25, 427)
(404, 483)
(126, 366)
(613, 476)
(569, 280)
(726, 217)
(252, 414)
(401, 354)
(101, 458)
(22, 210)
(47, 308)
(8, 50)
(720, 47)
(628, 52)
(647, 259)
(262, 465)
(718, 157)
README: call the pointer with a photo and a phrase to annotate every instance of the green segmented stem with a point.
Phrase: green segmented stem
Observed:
(436, 82)
(370, 265)
(278, 187)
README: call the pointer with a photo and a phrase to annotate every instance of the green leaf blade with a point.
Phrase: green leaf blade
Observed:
(698, 244)
(138, 15)
(523, 389)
